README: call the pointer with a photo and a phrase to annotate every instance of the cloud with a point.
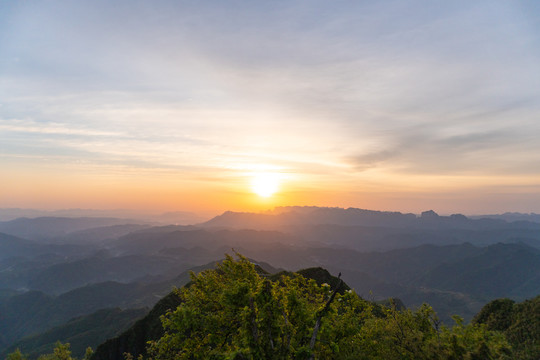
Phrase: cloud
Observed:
(26, 126)
(370, 160)
(332, 91)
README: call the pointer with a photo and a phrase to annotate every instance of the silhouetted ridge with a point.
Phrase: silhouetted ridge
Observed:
(54, 227)
(284, 217)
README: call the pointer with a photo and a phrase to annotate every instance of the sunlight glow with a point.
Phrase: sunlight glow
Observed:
(265, 184)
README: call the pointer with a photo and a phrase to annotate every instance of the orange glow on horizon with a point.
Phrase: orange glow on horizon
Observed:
(41, 186)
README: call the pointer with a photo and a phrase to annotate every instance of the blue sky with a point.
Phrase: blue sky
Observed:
(384, 105)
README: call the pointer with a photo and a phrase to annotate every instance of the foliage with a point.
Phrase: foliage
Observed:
(519, 322)
(16, 355)
(496, 315)
(60, 352)
(235, 313)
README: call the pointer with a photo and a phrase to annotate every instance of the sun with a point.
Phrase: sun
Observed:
(265, 184)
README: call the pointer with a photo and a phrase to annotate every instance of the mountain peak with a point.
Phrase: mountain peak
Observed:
(430, 214)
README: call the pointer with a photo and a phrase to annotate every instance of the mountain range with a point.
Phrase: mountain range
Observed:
(55, 272)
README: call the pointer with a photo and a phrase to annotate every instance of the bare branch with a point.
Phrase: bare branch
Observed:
(321, 313)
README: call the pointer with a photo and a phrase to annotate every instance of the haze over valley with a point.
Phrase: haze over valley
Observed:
(55, 269)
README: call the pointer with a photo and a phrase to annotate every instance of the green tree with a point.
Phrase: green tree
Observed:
(235, 313)
(496, 315)
(16, 355)
(232, 312)
(520, 323)
(88, 353)
(60, 352)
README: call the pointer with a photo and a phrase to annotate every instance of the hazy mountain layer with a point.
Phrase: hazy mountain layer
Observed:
(454, 263)
(55, 228)
(81, 332)
(287, 216)
(34, 312)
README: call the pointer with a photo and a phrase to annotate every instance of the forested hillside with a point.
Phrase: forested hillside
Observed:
(80, 332)
(44, 285)
(240, 311)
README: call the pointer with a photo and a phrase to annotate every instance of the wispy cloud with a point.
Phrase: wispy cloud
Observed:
(324, 91)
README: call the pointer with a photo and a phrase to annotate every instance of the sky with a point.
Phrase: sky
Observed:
(183, 105)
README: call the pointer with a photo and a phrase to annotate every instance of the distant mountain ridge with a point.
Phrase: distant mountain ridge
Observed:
(50, 228)
(455, 263)
(12, 246)
(511, 217)
(16, 247)
(294, 216)
(170, 217)
(308, 216)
